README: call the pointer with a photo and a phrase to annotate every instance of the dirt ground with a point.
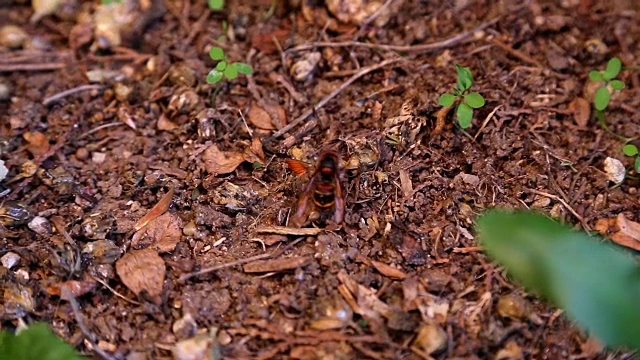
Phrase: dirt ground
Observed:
(143, 174)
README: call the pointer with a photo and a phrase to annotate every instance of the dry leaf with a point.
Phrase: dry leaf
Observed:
(368, 304)
(165, 124)
(221, 162)
(77, 287)
(157, 210)
(254, 152)
(408, 244)
(260, 118)
(388, 271)
(161, 233)
(620, 230)
(38, 143)
(581, 111)
(142, 270)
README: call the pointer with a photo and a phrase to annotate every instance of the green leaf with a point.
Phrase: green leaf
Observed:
(465, 79)
(244, 68)
(595, 75)
(613, 69)
(596, 284)
(216, 4)
(214, 76)
(465, 115)
(231, 72)
(35, 342)
(474, 100)
(637, 164)
(601, 98)
(216, 53)
(221, 66)
(630, 150)
(446, 99)
(617, 84)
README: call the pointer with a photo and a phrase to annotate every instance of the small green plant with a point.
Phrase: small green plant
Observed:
(216, 5)
(35, 342)
(225, 69)
(595, 282)
(632, 150)
(466, 101)
(603, 94)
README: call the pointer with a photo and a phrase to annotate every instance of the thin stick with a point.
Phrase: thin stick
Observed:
(334, 93)
(114, 291)
(275, 253)
(54, 98)
(560, 200)
(31, 67)
(486, 121)
(400, 48)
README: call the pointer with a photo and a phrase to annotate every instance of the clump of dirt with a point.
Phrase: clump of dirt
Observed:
(159, 203)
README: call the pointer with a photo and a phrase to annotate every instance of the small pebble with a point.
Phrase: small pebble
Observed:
(10, 260)
(431, 339)
(40, 226)
(12, 37)
(5, 91)
(513, 306)
(82, 154)
(98, 157)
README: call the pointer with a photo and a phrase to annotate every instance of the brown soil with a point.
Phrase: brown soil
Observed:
(400, 271)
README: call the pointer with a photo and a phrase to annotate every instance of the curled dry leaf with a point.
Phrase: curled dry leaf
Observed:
(260, 118)
(620, 230)
(38, 143)
(388, 270)
(221, 162)
(142, 270)
(161, 233)
(157, 210)
(77, 287)
(254, 152)
(581, 111)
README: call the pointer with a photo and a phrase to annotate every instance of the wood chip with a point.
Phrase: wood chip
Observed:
(283, 230)
(38, 143)
(581, 111)
(277, 265)
(143, 270)
(405, 184)
(620, 230)
(77, 287)
(388, 271)
(368, 304)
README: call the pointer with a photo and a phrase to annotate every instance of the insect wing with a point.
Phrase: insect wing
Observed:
(298, 167)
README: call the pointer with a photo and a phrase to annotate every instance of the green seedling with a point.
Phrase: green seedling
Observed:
(224, 68)
(608, 76)
(35, 342)
(466, 101)
(216, 5)
(632, 150)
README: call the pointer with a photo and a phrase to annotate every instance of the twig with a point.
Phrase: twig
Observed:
(334, 93)
(519, 54)
(114, 291)
(54, 98)
(486, 121)
(67, 294)
(400, 48)
(560, 200)
(31, 67)
(98, 128)
(274, 253)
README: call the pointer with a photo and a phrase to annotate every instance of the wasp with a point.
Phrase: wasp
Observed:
(323, 191)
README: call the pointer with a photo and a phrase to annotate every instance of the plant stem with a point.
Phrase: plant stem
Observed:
(631, 68)
(603, 124)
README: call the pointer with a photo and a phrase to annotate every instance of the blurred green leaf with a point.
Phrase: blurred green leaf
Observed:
(231, 72)
(446, 99)
(244, 68)
(474, 100)
(637, 164)
(221, 66)
(601, 98)
(613, 69)
(595, 75)
(465, 115)
(630, 150)
(216, 4)
(596, 284)
(216, 53)
(214, 76)
(37, 342)
(617, 84)
(465, 79)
